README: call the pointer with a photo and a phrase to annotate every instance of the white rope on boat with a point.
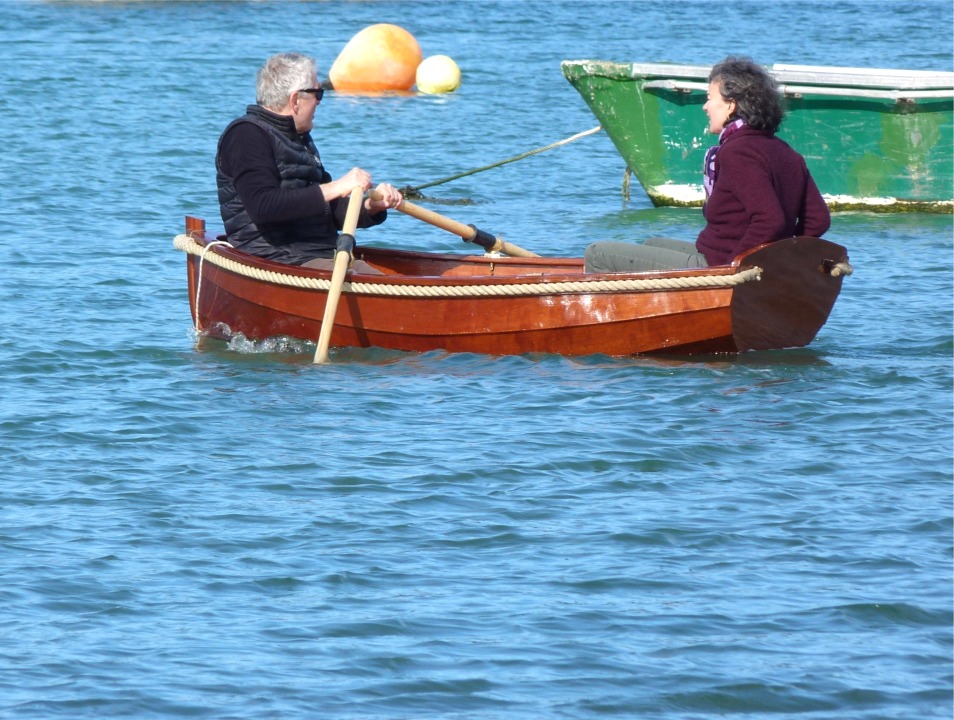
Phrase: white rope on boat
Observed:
(188, 245)
(198, 285)
(842, 268)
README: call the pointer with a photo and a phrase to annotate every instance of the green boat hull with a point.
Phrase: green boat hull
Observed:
(877, 140)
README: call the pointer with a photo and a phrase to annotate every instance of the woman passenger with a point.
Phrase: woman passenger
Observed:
(758, 189)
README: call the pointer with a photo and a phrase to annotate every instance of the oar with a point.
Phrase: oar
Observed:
(469, 233)
(342, 258)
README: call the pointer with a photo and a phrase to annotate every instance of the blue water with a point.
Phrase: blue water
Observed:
(190, 528)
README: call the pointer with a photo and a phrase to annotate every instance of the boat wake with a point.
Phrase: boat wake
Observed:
(239, 343)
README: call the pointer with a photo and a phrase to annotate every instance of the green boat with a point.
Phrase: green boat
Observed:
(877, 140)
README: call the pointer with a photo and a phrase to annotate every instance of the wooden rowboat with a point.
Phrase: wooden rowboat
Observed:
(774, 296)
(875, 140)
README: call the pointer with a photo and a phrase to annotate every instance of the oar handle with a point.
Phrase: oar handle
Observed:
(468, 232)
(342, 260)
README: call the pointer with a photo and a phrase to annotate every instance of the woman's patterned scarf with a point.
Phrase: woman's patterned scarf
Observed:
(708, 168)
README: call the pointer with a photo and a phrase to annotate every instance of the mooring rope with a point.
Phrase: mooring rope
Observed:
(198, 284)
(414, 191)
(189, 245)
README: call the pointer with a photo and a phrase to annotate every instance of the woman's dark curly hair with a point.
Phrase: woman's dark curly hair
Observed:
(756, 96)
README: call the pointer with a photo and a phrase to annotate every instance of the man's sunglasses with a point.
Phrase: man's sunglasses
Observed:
(317, 92)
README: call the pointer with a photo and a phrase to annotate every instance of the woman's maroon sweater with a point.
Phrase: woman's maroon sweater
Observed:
(763, 192)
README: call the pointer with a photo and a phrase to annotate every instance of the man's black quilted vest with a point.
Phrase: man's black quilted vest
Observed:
(299, 165)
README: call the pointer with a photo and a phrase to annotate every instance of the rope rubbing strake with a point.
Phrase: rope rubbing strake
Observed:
(188, 245)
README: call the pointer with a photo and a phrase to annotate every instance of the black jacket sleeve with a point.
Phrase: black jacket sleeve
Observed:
(247, 157)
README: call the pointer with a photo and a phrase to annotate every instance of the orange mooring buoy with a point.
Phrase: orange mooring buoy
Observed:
(380, 57)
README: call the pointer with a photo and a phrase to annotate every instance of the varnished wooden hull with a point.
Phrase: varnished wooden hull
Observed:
(508, 305)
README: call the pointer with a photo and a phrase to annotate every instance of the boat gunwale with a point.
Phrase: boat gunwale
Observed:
(822, 76)
(489, 281)
(895, 95)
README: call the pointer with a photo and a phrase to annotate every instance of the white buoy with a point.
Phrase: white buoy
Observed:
(438, 74)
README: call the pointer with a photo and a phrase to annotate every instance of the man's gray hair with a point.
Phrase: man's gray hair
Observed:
(280, 76)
